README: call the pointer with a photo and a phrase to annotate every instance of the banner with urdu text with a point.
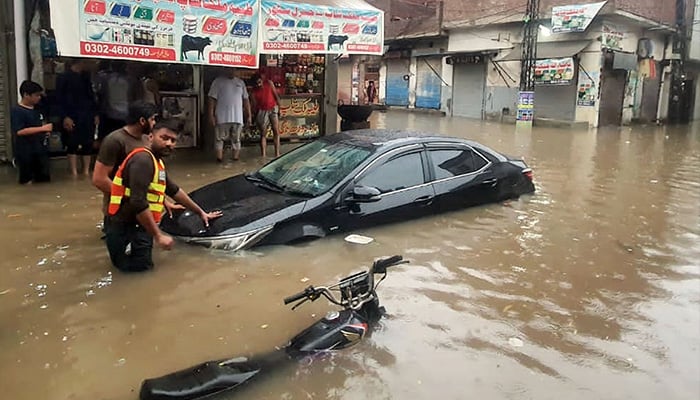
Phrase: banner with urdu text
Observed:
(304, 28)
(220, 32)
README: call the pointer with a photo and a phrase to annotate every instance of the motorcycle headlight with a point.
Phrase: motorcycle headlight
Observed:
(235, 242)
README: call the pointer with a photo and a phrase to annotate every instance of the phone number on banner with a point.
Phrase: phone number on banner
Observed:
(126, 51)
(293, 46)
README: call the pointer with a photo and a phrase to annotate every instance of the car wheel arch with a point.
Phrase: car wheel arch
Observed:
(294, 232)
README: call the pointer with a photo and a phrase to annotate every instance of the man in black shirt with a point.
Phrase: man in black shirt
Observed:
(30, 134)
(136, 203)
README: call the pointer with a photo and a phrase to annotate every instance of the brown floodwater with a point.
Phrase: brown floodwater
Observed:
(588, 289)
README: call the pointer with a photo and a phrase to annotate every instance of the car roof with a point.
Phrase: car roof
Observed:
(391, 138)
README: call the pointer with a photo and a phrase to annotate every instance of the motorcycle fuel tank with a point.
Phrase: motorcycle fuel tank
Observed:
(336, 331)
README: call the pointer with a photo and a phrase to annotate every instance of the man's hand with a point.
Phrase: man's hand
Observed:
(170, 207)
(47, 127)
(68, 124)
(208, 216)
(164, 241)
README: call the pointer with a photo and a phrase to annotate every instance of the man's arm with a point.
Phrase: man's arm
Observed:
(139, 171)
(100, 177)
(246, 109)
(183, 198)
(212, 111)
(34, 130)
(274, 93)
(106, 159)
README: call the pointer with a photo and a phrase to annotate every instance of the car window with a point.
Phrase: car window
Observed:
(449, 163)
(398, 173)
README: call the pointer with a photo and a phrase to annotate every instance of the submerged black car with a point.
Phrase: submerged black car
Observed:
(348, 181)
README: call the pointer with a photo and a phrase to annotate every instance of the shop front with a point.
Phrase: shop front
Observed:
(291, 43)
(469, 84)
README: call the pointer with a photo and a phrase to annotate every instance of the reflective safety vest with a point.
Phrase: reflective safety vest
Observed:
(156, 189)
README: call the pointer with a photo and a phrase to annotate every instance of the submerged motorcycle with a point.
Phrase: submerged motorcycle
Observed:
(337, 330)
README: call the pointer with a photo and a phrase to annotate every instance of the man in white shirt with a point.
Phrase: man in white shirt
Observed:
(228, 99)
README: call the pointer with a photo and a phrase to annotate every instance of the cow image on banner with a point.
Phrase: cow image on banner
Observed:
(222, 32)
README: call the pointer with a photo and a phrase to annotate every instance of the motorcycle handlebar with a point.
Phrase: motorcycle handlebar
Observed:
(380, 266)
(299, 296)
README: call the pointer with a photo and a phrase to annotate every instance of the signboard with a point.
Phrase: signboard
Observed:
(554, 71)
(304, 28)
(587, 93)
(219, 32)
(526, 108)
(612, 37)
(574, 18)
(466, 59)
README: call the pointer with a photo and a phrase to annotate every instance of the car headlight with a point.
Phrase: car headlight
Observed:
(235, 242)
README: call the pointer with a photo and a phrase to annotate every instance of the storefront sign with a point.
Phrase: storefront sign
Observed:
(303, 28)
(587, 89)
(300, 116)
(574, 18)
(612, 37)
(466, 59)
(221, 32)
(554, 71)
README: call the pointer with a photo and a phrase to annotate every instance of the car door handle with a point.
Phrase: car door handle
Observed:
(424, 200)
(490, 182)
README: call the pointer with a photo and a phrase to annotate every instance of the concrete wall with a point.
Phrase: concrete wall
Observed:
(345, 81)
(446, 94)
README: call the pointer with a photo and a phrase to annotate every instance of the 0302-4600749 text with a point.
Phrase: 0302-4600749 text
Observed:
(115, 50)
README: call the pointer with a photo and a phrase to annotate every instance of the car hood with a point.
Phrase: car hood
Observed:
(245, 207)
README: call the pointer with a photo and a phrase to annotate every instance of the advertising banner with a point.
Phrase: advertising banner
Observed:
(218, 32)
(526, 108)
(303, 28)
(587, 89)
(554, 71)
(574, 18)
(612, 37)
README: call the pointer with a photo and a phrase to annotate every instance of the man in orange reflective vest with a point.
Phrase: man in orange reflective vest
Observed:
(136, 202)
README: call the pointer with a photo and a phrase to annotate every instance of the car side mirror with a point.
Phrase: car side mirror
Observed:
(365, 194)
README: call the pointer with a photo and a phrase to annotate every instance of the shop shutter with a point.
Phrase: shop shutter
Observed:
(468, 90)
(428, 82)
(556, 102)
(396, 85)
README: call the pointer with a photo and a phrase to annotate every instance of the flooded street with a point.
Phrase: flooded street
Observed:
(588, 289)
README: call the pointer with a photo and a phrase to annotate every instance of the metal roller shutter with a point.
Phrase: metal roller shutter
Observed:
(556, 102)
(468, 90)
(396, 85)
(428, 82)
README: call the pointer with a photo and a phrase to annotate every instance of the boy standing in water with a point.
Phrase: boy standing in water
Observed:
(30, 134)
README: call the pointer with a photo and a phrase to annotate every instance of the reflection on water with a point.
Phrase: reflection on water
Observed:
(590, 288)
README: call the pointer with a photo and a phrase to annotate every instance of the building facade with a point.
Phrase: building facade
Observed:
(466, 53)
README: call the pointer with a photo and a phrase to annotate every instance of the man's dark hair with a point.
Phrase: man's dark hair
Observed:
(140, 109)
(170, 124)
(28, 88)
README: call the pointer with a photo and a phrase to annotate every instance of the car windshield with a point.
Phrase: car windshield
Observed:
(313, 168)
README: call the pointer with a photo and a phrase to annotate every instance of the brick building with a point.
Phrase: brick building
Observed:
(463, 58)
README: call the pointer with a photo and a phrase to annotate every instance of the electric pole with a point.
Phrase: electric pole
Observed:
(529, 46)
(678, 110)
(526, 95)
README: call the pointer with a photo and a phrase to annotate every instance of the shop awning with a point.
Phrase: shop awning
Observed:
(560, 49)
